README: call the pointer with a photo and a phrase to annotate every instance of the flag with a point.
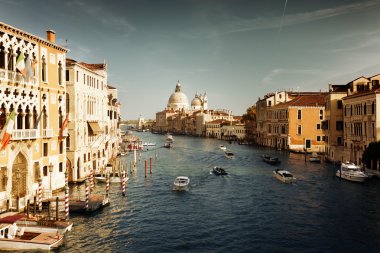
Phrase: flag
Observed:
(7, 131)
(20, 64)
(64, 125)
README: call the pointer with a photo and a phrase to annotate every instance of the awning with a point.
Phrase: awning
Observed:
(95, 127)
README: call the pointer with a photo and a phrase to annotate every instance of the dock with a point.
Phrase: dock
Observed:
(95, 203)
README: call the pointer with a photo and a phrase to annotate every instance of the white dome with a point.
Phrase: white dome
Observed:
(196, 102)
(178, 100)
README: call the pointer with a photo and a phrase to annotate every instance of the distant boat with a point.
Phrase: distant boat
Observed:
(169, 138)
(167, 145)
(181, 183)
(148, 144)
(271, 160)
(219, 171)
(222, 147)
(229, 155)
(314, 158)
(284, 176)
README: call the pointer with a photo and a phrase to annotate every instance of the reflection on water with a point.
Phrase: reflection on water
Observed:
(244, 211)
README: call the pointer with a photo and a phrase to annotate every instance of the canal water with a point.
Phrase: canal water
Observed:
(246, 211)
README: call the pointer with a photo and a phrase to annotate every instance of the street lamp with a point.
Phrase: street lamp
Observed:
(51, 168)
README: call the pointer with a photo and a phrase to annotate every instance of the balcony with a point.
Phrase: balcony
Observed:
(47, 133)
(16, 78)
(25, 134)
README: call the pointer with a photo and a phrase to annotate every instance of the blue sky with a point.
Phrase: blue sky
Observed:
(235, 51)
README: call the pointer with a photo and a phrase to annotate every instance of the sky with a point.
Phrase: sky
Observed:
(235, 51)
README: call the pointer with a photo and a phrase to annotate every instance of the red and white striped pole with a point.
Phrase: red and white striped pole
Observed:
(66, 196)
(91, 179)
(123, 183)
(87, 193)
(107, 183)
(40, 194)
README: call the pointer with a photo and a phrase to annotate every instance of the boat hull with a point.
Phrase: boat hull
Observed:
(352, 178)
(33, 244)
(286, 180)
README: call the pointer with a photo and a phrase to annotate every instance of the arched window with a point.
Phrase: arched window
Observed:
(365, 108)
(2, 57)
(67, 103)
(43, 69)
(60, 73)
(10, 59)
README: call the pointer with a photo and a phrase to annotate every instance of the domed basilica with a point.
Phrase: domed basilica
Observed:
(178, 101)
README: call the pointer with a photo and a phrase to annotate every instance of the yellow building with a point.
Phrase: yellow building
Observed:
(32, 86)
(297, 125)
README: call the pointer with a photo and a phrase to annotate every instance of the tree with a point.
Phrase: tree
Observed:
(371, 155)
(250, 115)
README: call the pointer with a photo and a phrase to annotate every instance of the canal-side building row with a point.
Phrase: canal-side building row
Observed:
(37, 114)
(197, 119)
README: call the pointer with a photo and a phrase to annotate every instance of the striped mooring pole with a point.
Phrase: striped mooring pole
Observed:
(91, 179)
(40, 194)
(107, 184)
(123, 193)
(87, 192)
(66, 196)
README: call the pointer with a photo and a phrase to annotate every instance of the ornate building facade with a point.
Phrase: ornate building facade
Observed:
(32, 88)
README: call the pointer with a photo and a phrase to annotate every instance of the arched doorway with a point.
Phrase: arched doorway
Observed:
(19, 174)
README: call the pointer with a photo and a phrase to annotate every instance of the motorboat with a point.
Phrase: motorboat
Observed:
(222, 147)
(229, 155)
(169, 138)
(219, 171)
(284, 176)
(149, 144)
(14, 238)
(167, 145)
(314, 158)
(181, 183)
(351, 172)
(271, 160)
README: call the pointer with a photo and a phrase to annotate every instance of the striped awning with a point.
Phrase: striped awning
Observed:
(95, 127)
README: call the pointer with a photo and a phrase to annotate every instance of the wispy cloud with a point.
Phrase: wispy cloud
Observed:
(364, 43)
(277, 76)
(261, 23)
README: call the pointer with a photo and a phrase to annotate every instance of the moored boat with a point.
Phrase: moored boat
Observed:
(351, 172)
(222, 147)
(284, 176)
(13, 238)
(181, 183)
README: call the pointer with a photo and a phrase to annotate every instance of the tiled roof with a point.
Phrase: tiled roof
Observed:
(95, 66)
(363, 93)
(304, 100)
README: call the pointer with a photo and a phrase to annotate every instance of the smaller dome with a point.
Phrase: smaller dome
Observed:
(196, 102)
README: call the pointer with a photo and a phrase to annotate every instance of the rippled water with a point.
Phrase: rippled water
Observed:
(245, 211)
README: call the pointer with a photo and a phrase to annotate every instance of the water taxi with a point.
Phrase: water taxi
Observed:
(181, 183)
(284, 176)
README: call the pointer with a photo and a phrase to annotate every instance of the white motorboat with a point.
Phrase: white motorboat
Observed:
(13, 238)
(169, 138)
(284, 176)
(351, 172)
(229, 155)
(181, 183)
(222, 147)
(149, 144)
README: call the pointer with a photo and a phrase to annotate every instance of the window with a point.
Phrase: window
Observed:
(61, 147)
(60, 167)
(365, 108)
(77, 76)
(43, 69)
(45, 149)
(339, 140)
(60, 73)
(299, 114)
(321, 114)
(45, 171)
(318, 126)
(84, 78)
(299, 129)
(373, 108)
(340, 104)
(339, 125)
(67, 75)
(318, 138)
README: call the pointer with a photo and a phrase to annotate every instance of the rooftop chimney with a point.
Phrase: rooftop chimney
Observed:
(50, 34)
